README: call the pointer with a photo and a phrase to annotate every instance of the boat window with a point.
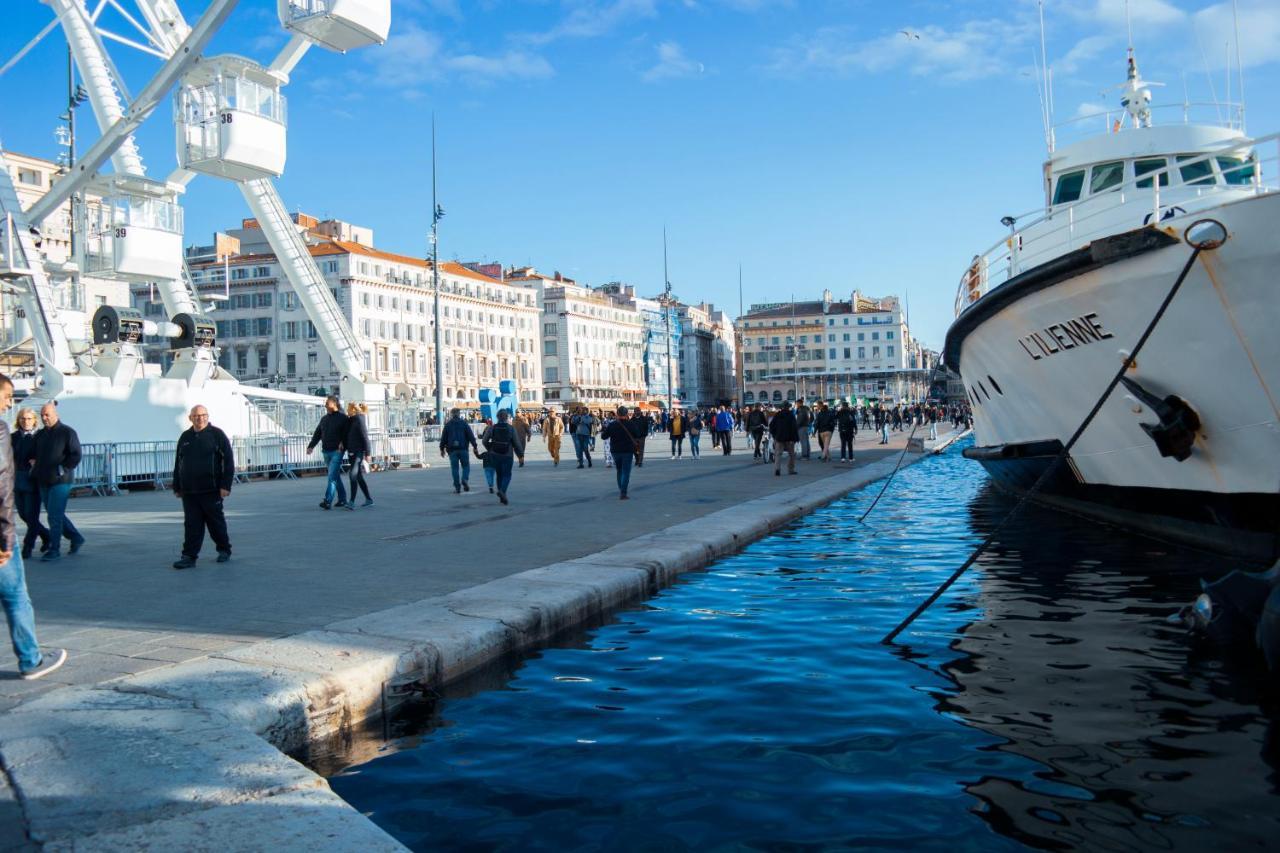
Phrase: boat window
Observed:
(1143, 167)
(1199, 172)
(1238, 171)
(1105, 176)
(1069, 186)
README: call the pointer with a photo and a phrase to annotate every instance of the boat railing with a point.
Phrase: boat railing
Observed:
(1046, 233)
(1116, 120)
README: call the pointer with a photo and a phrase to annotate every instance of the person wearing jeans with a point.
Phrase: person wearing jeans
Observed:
(621, 435)
(14, 598)
(455, 438)
(55, 455)
(331, 435)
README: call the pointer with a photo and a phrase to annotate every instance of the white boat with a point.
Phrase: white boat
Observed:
(1188, 447)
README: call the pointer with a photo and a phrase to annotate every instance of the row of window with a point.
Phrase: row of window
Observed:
(804, 339)
(1103, 177)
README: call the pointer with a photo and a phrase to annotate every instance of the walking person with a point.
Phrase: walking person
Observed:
(696, 425)
(804, 422)
(724, 424)
(785, 432)
(358, 447)
(502, 445)
(824, 422)
(204, 467)
(933, 415)
(455, 438)
(330, 433)
(14, 598)
(676, 429)
(522, 428)
(755, 429)
(584, 424)
(552, 430)
(55, 455)
(623, 444)
(641, 426)
(26, 491)
(882, 424)
(847, 426)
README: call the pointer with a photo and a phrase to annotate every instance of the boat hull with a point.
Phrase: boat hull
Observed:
(1037, 353)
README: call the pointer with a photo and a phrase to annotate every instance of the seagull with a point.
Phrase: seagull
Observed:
(910, 34)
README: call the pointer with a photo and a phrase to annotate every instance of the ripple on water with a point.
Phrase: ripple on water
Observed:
(1041, 702)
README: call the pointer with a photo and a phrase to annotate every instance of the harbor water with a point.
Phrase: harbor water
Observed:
(1043, 702)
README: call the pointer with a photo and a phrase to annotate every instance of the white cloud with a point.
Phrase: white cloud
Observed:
(1090, 108)
(413, 57)
(975, 50)
(1259, 33)
(1142, 13)
(1083, 53)
(672, 63)
(590, 18)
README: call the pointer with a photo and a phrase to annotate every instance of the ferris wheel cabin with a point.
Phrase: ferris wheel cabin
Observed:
(339, 25)
(135, 232)
(231, 119)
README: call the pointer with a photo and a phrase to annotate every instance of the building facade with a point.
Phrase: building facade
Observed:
(856, 349)
(592, 342)
(489, 328)
(707, 355)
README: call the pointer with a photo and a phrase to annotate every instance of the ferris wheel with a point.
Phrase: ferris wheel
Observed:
(230, 121)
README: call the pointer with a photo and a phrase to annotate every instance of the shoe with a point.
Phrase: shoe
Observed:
(348, 506)
(325, 505)
(223, 556)
(793, 473)
(502, 496)
(457, 490)
(340, 504)
(589, 463)
(185, 563)
(623, 497)
(76, 546)
(580, 465)
(465, 488)
(521, 465)
(45, 546)
(48, 663)
(369, 501)
(26, 553)
(491, 490)
(50, 556)
(777, 473)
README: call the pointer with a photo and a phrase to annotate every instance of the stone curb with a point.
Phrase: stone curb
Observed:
(192, 754)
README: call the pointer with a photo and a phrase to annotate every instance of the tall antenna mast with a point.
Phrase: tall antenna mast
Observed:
(1235, 21)
(1128, 23)
(1047, 97)
(738, 357)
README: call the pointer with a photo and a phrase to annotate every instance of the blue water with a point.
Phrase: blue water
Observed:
(1042, 702)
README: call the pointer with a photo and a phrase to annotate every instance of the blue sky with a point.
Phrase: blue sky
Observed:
(809, 140)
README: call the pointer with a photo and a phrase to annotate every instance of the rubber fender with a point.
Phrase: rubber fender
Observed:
(1238, 601)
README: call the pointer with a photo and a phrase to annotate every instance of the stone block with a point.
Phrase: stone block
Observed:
(85, 771)
(612, 586)
(315, 820)
(533, 611)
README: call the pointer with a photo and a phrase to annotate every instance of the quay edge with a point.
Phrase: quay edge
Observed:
(193, 755)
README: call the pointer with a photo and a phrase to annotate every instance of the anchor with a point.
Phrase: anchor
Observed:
(1175, 434)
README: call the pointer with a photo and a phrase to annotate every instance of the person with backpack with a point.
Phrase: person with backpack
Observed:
(502, 444)
(583, 424)
(455, 438)
(623, 446)
(785, 433)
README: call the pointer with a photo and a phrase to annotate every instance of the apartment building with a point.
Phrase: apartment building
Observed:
(707, 355)
(489, 328)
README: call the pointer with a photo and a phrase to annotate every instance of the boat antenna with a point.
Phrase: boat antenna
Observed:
(1128, 24)
(1235, 22)
(1044, 109)
(1204, 58)
(1047, 97)
(1227, 48)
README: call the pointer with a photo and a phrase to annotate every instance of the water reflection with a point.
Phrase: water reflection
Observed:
(1145, 744)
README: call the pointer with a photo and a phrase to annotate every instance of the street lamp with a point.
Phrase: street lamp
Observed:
(437, 213)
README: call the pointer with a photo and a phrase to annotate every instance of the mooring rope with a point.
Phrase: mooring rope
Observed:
(1057, 460)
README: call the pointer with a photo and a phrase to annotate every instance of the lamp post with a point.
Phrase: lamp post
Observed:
(437, 213)
(666, 301)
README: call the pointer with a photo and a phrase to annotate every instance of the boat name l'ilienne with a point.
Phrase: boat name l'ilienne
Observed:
(1059, 337)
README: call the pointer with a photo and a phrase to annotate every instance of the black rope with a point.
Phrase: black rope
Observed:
(1057, 460)
(901, 456)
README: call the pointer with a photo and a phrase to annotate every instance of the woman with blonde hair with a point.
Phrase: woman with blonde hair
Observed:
(357, 445)
(26, 491)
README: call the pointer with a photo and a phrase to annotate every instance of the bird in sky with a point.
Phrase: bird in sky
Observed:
(910, 34)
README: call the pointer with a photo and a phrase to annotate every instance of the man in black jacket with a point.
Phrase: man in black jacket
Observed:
(785, 432)
(55, 455)
(331, 435)
(756, 423)
(203, 469)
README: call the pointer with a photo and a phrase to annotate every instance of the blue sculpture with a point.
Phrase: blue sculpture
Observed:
(506, 397)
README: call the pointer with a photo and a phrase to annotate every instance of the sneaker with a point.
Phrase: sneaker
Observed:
(340, 504)
(589, 463)
(185, 563)
(465, 488)
(580, 465)
(50, 661)
(502, 496)
(224, 556)
(349, 506)
(76, 545)
(369, 501)
(50, 556)
(325, 505)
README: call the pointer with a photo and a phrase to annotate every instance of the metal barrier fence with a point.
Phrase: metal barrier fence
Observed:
(108, 468)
